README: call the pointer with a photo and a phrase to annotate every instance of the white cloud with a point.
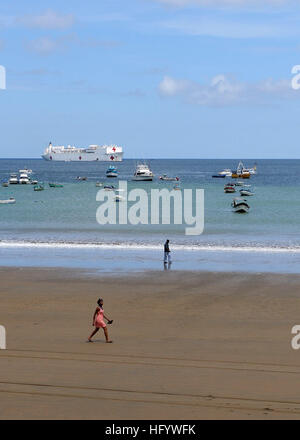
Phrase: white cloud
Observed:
(48, 45)
(225, 26)
(47, 20)
(43, 45)
(224, 91)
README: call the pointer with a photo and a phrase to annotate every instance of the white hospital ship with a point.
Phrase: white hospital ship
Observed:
(101, 153)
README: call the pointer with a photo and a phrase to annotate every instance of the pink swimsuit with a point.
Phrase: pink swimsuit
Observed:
(99, 321)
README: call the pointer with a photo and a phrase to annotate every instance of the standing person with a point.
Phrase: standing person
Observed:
(98, 321)
(167, 256)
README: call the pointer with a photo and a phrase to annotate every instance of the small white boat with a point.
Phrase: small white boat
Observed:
(109, 188)
(26, 171)
(5, 184)
(168, 179)
(10, 201)
(99, 184)
(142, 172)
(246, 192)
(239, 183)
(252, 170)
(240, 205)
(227, 172)
(24, 179)
(13, 180)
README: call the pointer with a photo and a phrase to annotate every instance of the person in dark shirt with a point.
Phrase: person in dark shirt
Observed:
(167, 256)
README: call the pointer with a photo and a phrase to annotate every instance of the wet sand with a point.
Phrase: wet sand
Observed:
(186, 346)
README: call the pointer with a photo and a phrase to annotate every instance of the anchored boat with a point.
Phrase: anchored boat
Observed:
(242, 172)
(10, 201)
(143, 172)
(39, 187)
(226, 173)
(246, 192)
(240, 205)
(229, 188)
(13, 180)
(169, 179)
(111, 171)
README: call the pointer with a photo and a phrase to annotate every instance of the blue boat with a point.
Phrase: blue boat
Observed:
(111, 171)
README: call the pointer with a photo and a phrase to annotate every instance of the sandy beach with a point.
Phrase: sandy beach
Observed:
(186, 346)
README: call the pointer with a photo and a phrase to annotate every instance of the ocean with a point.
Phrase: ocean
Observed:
(57, 227)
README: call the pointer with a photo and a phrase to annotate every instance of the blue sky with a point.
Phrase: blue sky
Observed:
(163, 78)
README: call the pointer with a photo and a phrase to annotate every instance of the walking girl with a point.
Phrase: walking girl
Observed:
(98, 321)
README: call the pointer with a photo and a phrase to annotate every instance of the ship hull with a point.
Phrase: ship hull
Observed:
(83, 157)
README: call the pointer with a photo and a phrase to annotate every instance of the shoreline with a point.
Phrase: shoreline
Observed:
(186, 345)
(115, 259)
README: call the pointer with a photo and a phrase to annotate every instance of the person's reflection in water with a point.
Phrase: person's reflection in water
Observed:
(167, 266)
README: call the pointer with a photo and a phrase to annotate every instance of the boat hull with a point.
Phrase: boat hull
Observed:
(246, 193)
(144, 178)
(7, 202)
(241, 209)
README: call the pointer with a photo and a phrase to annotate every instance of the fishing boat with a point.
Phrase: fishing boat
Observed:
(111, 171)
(56, 185)
(240, 205)
(169, 179)
(246, 192)
(229, 188)
(241, 172)
(13, 180)
(10, 201)
(38, 187)
(142, 172)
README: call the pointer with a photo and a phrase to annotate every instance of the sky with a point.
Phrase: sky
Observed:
(162, 78)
